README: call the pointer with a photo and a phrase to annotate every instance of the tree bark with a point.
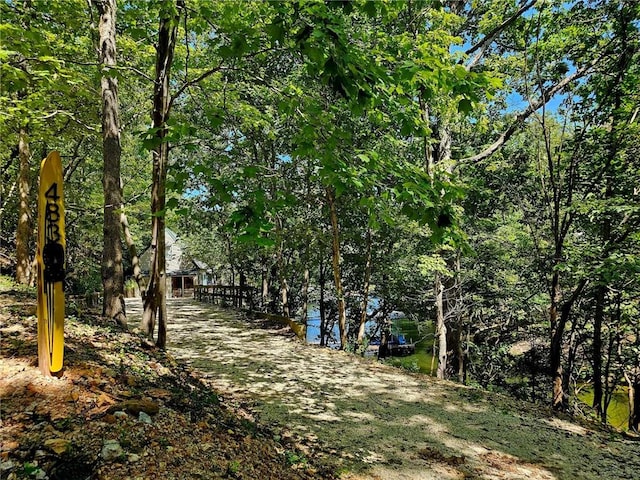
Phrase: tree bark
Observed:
(559, 401)
(322, 281)
(633, 381)
(155, 304)
(265, 285)
(337, 274)
(282, 278)
(365, 290)
(113, 306)
(559, 316)
(133, 253)
(597, 351)
(454, 320)
(385, 336)
(24, 231)
(305, 297)
(441, 328)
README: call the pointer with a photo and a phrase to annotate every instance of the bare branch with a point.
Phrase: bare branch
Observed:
(483, 44)
(547, 95)
(76, 160)
(210, 72)
(194, 81)
(69, 115)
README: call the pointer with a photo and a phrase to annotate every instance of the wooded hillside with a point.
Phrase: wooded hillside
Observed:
(472, 164)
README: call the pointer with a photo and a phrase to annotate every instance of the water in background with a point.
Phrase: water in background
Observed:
(313, 324)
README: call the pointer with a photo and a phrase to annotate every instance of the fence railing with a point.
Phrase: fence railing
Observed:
(232, 296)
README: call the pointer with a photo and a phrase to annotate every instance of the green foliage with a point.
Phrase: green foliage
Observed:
(295, 458)
(278, 105)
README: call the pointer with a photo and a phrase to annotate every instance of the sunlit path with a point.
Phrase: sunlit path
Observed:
(404, 426)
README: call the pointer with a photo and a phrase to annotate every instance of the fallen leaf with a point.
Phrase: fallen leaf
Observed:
(58, 445)
(104, 399)
(10, 446)
(97, 411)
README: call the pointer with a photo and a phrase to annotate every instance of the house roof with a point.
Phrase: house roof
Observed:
(177, 258)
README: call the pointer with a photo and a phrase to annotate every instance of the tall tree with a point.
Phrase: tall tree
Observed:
(113, 306)
(43, 61)
(24, 230)
(155, 302)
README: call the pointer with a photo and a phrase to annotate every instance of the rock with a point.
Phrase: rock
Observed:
(133, 458)
(144, 418)
(134, 407)
(120, 414)
(6, 466)
(111, 450)
(58, 445)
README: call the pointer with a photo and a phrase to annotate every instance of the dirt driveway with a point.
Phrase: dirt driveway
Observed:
(380, 421)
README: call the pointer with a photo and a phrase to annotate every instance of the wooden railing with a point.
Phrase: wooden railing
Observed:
(232, 296)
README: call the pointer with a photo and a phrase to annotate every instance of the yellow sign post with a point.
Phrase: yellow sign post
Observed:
(51, 265)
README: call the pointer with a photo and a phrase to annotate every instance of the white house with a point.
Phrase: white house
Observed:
(183, 271)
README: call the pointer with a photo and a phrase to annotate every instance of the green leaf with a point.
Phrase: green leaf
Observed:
(465, 106)
(369, 8)
(275, 30)
(172, 204)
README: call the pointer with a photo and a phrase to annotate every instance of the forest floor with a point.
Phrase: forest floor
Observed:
(120, 411)
(240, 398)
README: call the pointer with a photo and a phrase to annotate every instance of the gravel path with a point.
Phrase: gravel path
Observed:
(378, 420)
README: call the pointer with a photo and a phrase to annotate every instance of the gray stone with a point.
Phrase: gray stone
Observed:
(40, 474)
(111, 450)
(120, 414)
(6, 466)
(144, 418)
(133, 458)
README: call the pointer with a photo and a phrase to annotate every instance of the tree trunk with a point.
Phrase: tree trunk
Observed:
(322, 281)
(305, 298)
(452, 313)
(337, 275)
(155, 305)
(274, 289)
(265, 285)
(113, 306)
(555, 361)
(597, 351)
(559, 316)
(131, 246)
(385, 336)
(284, 285)
(441, 328)
(633, 380)
(24, 231)
(365, 290)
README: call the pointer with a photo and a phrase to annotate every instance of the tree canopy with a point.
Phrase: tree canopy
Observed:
(471, 164)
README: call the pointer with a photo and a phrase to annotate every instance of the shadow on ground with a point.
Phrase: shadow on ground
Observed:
(382, 421)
